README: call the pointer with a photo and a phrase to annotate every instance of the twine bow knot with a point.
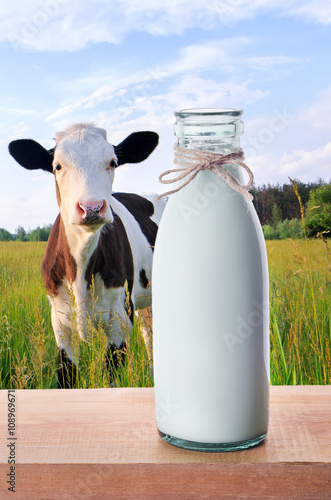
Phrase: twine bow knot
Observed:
(192, 161)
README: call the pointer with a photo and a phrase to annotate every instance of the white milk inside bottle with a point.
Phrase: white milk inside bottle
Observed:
(210, 299)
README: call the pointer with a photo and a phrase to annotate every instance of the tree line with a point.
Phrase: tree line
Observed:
(276, 202)
(37, 234)
(283, 208)
(280, 208)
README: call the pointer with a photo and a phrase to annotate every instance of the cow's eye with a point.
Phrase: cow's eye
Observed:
(113, 164)
(58, 167)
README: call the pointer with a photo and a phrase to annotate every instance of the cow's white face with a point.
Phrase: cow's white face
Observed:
(83, 165)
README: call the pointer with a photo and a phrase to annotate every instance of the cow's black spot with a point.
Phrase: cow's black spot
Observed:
(143, 278)
(66, 374)
(115, 358)
(142, 210)
(112, 258)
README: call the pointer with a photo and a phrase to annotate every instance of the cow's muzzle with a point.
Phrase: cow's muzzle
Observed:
(90, 213)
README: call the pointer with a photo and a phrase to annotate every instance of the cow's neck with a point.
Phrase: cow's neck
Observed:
(82, 244)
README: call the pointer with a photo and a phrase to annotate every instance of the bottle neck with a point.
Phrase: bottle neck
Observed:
(214, 130)
(223, 147)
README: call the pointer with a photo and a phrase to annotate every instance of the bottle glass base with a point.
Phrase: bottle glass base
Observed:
(211, 447)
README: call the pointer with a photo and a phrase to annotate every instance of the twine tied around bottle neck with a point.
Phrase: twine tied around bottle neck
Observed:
(192, 161)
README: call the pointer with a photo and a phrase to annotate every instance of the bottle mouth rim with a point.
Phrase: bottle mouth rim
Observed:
(199, 112)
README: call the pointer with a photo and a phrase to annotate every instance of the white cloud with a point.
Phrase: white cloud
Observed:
(268, 63)
(318, 11)
(317, 114)
(300, 163)
(12, 131)
(207, 56)
(63, 25)
(131, 88)
(32, 198)
(193, 91)
(286, 143)
(48, 25)
(226, 54)
(17, 111)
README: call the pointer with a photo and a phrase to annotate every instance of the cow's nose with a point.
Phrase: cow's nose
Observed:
(91, 211)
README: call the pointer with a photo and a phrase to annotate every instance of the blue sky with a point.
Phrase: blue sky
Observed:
(128, 65)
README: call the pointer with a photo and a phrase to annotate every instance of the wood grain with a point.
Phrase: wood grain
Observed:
(103, 443)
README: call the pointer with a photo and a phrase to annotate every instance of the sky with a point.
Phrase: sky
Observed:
(127, 65)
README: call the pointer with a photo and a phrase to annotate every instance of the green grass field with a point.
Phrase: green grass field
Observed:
(300, 327)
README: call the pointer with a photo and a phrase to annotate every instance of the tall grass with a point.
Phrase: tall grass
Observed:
(27, 346)
(300, 326)
(28, 352)
(300, 308)
(300, 313)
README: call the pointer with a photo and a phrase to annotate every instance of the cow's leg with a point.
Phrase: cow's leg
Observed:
(119, 327)
(115, 358)
(144, 317)
(67, 365)
(67, 370)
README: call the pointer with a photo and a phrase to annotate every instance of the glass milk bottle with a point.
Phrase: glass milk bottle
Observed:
(210, 297)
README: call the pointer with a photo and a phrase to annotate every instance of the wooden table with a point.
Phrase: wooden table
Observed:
(103, 443)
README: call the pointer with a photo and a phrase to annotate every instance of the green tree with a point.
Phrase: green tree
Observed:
(276, 213)
(270, 232)
(290, 229)
(21, 234)
(5, 235)
(284, 197)
(40, 233)
(318, 213)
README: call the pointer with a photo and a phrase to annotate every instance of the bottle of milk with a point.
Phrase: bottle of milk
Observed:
(210, 294)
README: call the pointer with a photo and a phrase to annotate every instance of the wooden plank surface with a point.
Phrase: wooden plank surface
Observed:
(103, 443)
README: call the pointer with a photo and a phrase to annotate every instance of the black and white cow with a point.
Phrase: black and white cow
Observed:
(98, 233)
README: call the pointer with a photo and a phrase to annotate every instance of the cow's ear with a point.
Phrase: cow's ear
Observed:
(136, 147)
(31, 155)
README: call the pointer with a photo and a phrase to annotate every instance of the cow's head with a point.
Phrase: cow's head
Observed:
(83, 162)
